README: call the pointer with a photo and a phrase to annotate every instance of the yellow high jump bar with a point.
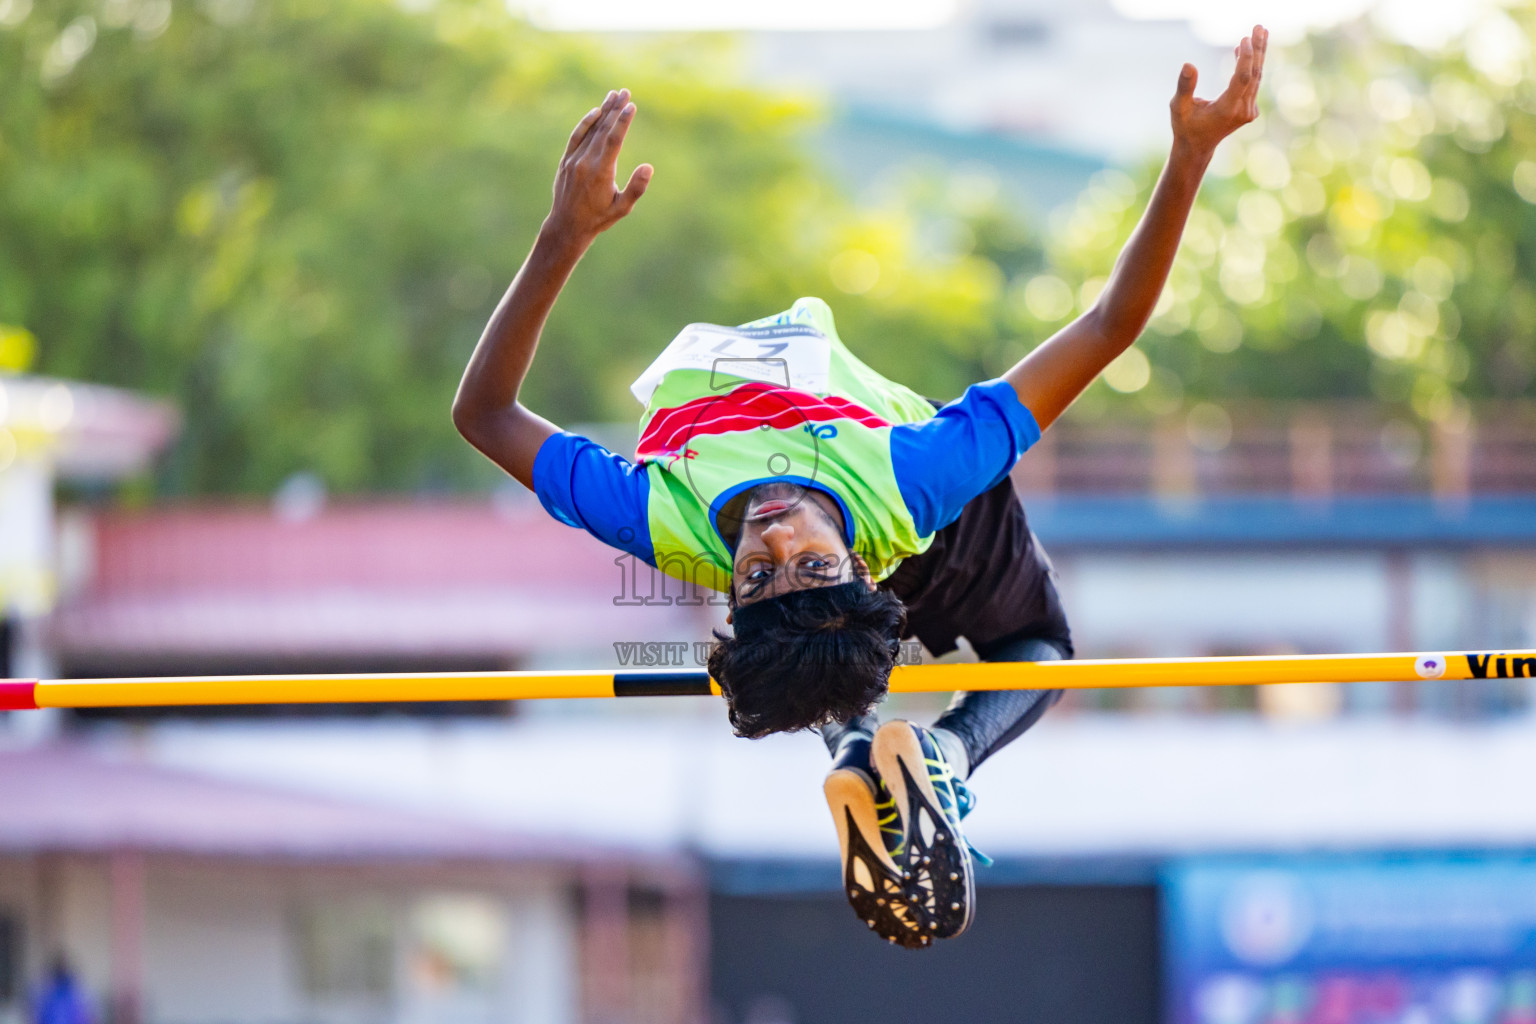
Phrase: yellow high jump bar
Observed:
(169, 691)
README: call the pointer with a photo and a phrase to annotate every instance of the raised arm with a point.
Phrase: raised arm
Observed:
(587, 202)
(1052, 376)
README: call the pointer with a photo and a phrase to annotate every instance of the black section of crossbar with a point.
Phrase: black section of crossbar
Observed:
(661, 684)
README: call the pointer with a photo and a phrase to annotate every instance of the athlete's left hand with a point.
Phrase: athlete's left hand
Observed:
(1201, 124)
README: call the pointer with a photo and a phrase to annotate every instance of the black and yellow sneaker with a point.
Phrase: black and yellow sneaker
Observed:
(937, 861)
(870, 837)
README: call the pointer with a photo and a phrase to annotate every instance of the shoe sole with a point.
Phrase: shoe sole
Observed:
(872, 881)
(936, 854)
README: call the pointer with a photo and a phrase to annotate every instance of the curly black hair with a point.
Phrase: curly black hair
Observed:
(808, 657)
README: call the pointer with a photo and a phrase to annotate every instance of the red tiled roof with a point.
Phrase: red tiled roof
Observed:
(362, 546)
(431, 579)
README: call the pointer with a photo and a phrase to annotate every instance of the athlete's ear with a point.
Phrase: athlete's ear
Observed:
(861, 570)
(730, 602)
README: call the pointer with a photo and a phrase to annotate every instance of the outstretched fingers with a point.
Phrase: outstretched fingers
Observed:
(584, 129)
(614, 138)
(605, 118)
(1242, 76)
(1260, 48)
(639, 181)
(1241, 94)
(597, 145)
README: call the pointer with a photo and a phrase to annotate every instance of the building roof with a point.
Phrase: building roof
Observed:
(61, 798)
(92, 432)
(442, 580)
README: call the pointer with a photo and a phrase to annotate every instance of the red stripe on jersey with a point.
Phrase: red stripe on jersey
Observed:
(747, 407)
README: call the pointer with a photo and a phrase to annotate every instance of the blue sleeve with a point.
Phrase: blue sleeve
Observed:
(964, 451)
(584, 485)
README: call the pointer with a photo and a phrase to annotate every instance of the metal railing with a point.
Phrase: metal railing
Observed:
(1312, 451)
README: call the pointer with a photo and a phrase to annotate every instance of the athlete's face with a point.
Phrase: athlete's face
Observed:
(791, 539)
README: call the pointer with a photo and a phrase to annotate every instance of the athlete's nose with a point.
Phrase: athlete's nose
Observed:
(779, 538)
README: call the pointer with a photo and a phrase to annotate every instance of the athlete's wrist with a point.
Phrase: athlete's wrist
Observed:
(1190, 154)
(561, 239)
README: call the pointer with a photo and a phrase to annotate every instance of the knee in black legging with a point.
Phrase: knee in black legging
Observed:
(988, 720)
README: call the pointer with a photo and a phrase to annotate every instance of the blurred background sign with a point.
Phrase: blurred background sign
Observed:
(1351, 940)
(53, 431)
(26, 540)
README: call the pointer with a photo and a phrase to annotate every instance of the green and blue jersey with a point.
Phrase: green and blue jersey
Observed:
(718, 425)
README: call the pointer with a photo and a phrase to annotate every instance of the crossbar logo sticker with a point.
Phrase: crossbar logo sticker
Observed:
(1430, 666)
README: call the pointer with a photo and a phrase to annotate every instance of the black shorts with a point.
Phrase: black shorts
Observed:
(986, 578)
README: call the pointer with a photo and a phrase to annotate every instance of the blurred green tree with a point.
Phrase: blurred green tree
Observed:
(294, 221)
(1372, 235)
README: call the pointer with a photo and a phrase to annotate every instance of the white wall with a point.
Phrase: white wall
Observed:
(542, 961)
(217, 945)
(77, 903)
(1180, 603)
(26, 533)
(1189, 603)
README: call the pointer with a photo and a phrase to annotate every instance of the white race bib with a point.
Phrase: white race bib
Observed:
(789, 355)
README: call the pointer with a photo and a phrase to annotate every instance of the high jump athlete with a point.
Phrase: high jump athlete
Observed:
(839, 511)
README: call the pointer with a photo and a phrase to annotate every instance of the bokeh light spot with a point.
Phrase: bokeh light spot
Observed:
(1261, 213)
(14, 12)
(1220, 331)
(1268, 166)
(1525, 180)
(1208, 427)
(1433, 277)
(1359, 278)
(1409, 179)
(17, 348)
(1048, 298)
(854, 271)
(1129, 372)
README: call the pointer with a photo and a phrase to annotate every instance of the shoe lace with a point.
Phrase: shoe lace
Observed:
(966, 800)
(958, 798)
(890, 822)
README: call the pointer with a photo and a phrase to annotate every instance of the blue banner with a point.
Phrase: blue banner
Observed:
(1351, 940)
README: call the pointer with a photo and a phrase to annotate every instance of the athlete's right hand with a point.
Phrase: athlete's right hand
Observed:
(587, 199)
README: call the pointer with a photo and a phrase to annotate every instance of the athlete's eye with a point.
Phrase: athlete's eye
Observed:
(815, 563)
(758, 573)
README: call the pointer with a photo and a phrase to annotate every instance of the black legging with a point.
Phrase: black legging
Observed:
(984, 720)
